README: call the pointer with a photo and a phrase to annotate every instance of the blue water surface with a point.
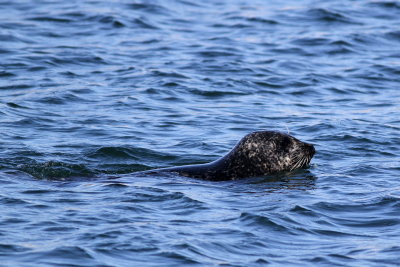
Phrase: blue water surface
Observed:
(93, 91)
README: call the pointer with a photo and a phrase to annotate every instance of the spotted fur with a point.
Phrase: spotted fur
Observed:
(257, 154)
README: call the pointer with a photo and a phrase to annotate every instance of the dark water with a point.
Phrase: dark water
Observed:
(91, 91)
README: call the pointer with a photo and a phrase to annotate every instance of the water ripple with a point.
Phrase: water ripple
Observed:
(94, 91)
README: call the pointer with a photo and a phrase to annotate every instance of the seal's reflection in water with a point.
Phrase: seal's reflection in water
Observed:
(299, 180)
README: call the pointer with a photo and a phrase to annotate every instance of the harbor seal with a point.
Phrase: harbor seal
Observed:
(256, 154)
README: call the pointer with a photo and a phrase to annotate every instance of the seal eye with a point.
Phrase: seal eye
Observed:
(285, 144)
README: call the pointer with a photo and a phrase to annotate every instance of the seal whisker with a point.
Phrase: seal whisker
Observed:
(298, 163)
(304, 163)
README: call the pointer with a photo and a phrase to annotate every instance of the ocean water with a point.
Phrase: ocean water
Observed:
(93, 91)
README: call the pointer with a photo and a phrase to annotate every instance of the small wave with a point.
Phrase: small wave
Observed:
(149, 8)
(51, 19)
(111, 20)
(262, 20)
(53, 170)
(157, 196)
(127, 153)
(216, 53)
(16, 86)
(11, 201)
(309, 41)
(169, 202)
(75, 59)
(143, 23)
(215, 93)
(14, 105)
(37, 192)
(177, 257)
(371, 223)
(169, 74)
(393, 36)
(13, 38)
(333, 233)
(270, 85)
(255, 220)
(6, 73)
(302, 210)
(7, 248)
(325, 15)
(292, 50)
(70, 255)
(125, 159)
(386, 4)
(376, 204)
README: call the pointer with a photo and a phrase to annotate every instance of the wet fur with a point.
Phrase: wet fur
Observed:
(256, 154)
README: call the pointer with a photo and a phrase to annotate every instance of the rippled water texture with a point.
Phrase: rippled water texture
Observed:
(93, 91)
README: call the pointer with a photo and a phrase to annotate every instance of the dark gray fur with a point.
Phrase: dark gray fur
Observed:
(256, 154)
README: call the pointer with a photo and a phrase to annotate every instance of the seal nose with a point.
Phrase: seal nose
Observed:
(310, 148)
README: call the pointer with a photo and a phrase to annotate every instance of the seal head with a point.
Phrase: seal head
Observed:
(257, 154)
